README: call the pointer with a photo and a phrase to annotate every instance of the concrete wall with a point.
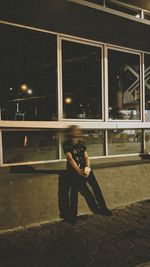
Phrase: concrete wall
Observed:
(31, 195)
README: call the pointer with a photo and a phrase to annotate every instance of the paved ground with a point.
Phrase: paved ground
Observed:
(96, 241)
(146, 264)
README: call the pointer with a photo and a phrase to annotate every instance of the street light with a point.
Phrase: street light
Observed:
(24, 87)
(68, 100)
(30, 92)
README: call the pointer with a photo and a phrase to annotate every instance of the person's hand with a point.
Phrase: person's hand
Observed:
(85, 175)
(87, 171)
(80, 172)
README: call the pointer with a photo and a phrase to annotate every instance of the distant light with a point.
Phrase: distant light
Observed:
(25, 143)
(30, 92)
(138, 16)
(10, 89)
(68, 100)
(24, 87)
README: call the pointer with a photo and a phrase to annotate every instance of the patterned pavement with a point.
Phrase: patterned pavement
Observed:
(118, 241)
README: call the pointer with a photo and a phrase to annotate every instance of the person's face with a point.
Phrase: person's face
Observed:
(76, 133)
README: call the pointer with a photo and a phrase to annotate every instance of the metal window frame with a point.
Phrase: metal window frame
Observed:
(141, 145)
(87, 43)
(59, 78)
(111, 48)
(125, 5)
(145, 13)
(60, 158)
(1, 149)
(104, 124)
(64, 160)
(54, 124)
(106, 9)
(3, 164)
(106, 83)
(129, 6)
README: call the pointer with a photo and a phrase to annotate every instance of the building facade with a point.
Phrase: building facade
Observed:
(73, 62)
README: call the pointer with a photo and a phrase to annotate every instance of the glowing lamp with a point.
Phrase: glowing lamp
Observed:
(24, 87)
(68, 100)
(30, 92)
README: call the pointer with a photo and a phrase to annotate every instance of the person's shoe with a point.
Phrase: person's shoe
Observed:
(106, 212)
(97, 211)
(66, 219)
(73, 220)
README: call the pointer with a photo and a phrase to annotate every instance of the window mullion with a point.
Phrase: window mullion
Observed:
(59, 78)
(106, 106)
(143, 86)
(1, 148)
(143, 148)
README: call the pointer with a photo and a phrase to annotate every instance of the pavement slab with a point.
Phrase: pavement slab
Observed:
(122, 240)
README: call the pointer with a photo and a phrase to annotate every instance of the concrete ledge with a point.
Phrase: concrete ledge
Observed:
(29, 196)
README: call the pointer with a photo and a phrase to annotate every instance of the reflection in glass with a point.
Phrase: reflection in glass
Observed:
(94, 140)
(124, 85)
(147, 88)
(147, 140)
(124, 142)
(81, 81)
(100, 2)
(147, 16)
(28, 82)
(29, 146)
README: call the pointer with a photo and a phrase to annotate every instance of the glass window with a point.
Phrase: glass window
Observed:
(124, 85)
(29, 146)
(124, 142)
(147, 16)
(124, 9)
(100, 2)
(28, 80)
(147, 88)
(94, 140)
(147, 140)
(82, 81)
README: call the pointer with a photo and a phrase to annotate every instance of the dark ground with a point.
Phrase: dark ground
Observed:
(96, 241)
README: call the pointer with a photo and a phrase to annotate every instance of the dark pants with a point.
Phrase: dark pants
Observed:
(76, 183)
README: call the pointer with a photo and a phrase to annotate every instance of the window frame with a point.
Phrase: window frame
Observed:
(3, 164)
(88, 43)
(104, 124)
(128, 51)
(133, 153)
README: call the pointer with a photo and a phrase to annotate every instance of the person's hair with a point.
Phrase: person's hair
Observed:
(70, 130)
